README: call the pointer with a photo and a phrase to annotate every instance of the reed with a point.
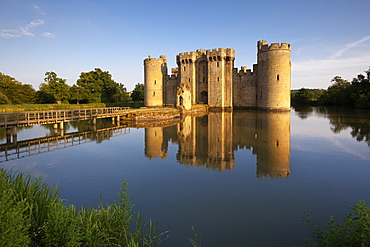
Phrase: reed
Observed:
(32, 214)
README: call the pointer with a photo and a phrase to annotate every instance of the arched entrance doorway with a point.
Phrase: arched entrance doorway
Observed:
(204, 97)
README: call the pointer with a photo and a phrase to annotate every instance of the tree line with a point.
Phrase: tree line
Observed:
(96, 86)
(355, 93)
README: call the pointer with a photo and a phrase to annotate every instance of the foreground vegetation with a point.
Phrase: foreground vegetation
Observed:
(32, 214)
(342, 92)
(355, 230)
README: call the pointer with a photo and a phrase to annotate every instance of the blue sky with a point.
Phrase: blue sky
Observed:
(328, 37)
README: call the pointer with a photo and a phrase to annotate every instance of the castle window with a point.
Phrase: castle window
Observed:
(277, 77)
(189, 79)
(155, 82)
(218, 64)
(153, 93)
(184, 68)
(218, 78)
(190, 61)
(210, 59)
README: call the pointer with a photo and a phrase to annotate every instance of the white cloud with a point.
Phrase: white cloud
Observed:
(48, 35)
(22, 31)
(9, 34)
(39, 9)
(349, 46)
(317, 73)
(35, 23)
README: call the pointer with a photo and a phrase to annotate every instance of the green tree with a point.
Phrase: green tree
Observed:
(338, 93)
(360, 93)
(77, 94)
(138, 92)
(54, 90)
(99, 86)
(4, 99)
(15, 91)
(303, 97)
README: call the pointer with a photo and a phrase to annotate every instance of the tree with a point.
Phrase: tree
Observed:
(99, 86)
(303, 97)
(121, 95)
(54, 90)
(138, 92)
(361, 90)
(77, 94)
(15, 91)
(338, 93)
(4, 99)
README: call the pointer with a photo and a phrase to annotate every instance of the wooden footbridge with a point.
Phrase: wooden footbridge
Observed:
(14, 119)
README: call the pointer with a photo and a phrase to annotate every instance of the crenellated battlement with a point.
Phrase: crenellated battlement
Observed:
(221, 53)
(161, 59)
(187, 57)
(243, 71)
(263, 46)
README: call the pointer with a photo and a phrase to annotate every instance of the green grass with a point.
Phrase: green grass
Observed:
(32, 214)
(42, 107)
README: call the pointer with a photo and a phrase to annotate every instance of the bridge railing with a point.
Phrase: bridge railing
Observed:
(54, 116)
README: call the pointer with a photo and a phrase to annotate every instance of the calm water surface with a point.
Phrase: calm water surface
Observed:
(241, 179)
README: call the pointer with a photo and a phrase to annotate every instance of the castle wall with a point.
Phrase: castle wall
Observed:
(220, 65)
(155, 71)
(202, 77)
(171, 84)
(186, 64)
(244, 88)
(273, 87)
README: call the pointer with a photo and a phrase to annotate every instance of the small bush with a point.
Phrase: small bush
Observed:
(355, 230)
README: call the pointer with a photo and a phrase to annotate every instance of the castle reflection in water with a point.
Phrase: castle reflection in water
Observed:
(211, 140)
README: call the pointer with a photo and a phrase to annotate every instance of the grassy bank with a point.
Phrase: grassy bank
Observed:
(45, 107)
(32, 214)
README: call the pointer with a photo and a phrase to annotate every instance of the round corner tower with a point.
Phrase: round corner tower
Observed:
(155, 71)
(273, 83)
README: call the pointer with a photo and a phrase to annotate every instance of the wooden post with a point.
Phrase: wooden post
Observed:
(14, 134)
(8, 136)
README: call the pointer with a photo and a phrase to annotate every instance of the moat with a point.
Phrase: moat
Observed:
(242, 178)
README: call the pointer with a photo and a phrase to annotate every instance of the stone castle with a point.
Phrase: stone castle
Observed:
(209, 77)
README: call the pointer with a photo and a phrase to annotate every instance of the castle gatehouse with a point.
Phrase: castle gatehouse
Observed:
(209, 77)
